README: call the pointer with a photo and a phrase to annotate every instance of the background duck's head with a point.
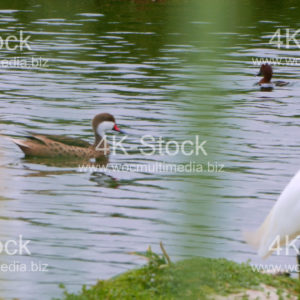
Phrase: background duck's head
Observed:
(266, 71)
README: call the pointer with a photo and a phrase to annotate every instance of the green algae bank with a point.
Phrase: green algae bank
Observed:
(207, 152)
(197, 278)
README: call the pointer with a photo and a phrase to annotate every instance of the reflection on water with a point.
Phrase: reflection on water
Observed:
(134, 59)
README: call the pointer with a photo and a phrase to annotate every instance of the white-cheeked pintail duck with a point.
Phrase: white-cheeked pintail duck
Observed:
(55, 146)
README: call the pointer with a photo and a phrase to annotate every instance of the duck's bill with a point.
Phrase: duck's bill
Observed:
(116, 128)
(259, 73)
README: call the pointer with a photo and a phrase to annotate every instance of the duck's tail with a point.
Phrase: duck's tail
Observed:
(21, 143)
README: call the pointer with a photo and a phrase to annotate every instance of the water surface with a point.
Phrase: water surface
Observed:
(157, 76)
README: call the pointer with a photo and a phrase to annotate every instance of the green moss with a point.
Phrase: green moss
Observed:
(195, 278)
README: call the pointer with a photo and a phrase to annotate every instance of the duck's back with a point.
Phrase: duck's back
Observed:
(57, 146)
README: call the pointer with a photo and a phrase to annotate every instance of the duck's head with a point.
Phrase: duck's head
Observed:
(103, 123)
(266, 71)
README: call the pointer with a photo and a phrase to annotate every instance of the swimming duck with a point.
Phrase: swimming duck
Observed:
(266, 71)
(55, 146)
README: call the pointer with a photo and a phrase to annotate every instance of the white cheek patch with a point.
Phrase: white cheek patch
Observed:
(105, 126)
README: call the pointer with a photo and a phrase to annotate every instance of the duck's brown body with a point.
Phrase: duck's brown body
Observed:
(60, 146)
(55, 146)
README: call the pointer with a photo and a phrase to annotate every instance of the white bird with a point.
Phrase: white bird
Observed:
(282, 225)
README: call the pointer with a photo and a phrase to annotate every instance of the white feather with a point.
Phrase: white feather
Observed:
(105, 126)
(269, 85)
(282, 222)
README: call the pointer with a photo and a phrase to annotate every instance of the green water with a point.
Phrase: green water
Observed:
(173, 69)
